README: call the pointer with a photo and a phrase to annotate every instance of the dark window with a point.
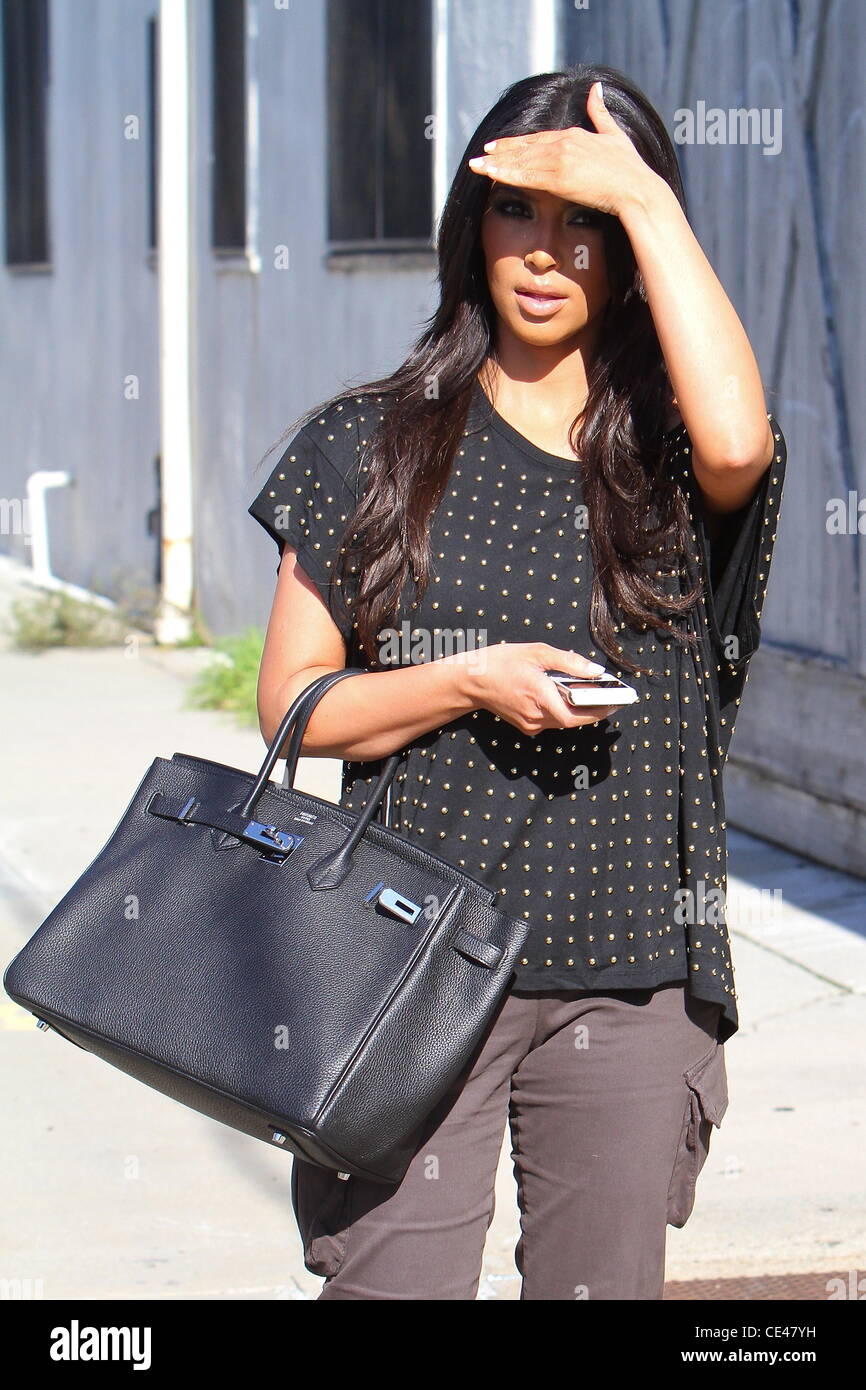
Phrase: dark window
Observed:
(153, 130)
(229, 126)
(25, 117)
(380, 96)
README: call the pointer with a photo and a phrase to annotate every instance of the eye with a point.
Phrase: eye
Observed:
(510, 207)
(584, 217)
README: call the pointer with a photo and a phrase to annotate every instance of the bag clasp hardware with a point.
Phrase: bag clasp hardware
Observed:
(394, 903)
(272, 838)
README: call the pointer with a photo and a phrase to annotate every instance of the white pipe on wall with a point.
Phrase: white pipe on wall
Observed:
(38, 484)
(440, 112)
(175, 251)
(37, 518)
(544, 35)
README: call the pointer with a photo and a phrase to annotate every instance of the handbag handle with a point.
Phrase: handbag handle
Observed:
(331, 870)
(313, 694)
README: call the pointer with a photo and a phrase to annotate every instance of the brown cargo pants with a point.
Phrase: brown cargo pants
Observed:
(610, 1096)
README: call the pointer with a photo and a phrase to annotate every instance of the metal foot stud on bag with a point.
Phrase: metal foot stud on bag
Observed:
(300, 972)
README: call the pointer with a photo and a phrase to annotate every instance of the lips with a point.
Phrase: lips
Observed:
(539, 303)
(535, 293)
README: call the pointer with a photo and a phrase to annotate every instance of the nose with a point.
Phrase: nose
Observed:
(540, 259)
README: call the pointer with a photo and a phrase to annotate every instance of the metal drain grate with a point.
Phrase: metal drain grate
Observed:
(797, 1287)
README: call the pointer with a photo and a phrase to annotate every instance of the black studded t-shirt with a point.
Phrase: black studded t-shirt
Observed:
(609, 839)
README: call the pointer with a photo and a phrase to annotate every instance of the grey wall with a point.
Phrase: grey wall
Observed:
(73, 333)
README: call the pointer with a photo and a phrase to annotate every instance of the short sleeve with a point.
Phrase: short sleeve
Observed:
(306, 503)
(736, 564)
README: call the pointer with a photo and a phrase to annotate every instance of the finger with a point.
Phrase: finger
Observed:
(598, 112)
(513, 170)
(584, 718)
(562, 659)
(565, 715)
(590, 714)
(511, 142)
(508, 144)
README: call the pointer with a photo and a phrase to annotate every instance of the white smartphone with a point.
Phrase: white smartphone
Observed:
(603, 690)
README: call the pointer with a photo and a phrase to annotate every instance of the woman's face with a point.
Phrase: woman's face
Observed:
(534, 240)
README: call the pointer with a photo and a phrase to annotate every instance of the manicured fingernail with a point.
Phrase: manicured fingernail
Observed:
(490, 145)
(594, 667)
(600, 90)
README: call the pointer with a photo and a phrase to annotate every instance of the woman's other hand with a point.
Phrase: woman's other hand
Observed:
(509, 679)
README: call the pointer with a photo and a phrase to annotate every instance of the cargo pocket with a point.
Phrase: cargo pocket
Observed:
(707, 1101)
(321, 1203)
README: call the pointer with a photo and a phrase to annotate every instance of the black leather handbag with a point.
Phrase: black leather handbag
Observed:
(299, 972)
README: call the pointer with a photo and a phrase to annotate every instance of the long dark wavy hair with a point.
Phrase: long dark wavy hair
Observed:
(618, 437)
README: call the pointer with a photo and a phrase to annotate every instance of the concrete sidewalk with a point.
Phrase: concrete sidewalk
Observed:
(112, 1190)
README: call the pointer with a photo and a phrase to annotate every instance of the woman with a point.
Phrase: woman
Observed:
(574, 469)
